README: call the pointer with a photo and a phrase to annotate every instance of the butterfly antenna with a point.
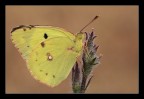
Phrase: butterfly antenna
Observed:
(89, 23)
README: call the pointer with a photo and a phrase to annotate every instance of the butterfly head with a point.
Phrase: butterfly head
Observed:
(79, 42)
(80, 36)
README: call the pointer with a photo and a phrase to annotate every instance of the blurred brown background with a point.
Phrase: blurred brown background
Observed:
(117, 31)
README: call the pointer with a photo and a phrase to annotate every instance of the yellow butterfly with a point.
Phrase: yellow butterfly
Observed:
(50, 52)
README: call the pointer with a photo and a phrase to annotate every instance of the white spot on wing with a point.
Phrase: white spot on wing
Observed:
(49, 56)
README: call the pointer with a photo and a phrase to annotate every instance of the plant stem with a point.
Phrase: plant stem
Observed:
(83, 84)
(80, 80)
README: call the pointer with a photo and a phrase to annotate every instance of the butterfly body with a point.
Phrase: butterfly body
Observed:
(50, 52)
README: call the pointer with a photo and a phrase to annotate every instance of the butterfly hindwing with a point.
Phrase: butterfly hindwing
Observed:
(52, 62)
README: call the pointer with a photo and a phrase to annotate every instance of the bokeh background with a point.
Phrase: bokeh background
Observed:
(117, 31)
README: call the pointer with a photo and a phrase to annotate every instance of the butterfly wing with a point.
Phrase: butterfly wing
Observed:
(26, 38)
(48, 52)
(52, 62)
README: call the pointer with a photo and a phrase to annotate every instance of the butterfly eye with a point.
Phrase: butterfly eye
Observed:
(79, 37)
